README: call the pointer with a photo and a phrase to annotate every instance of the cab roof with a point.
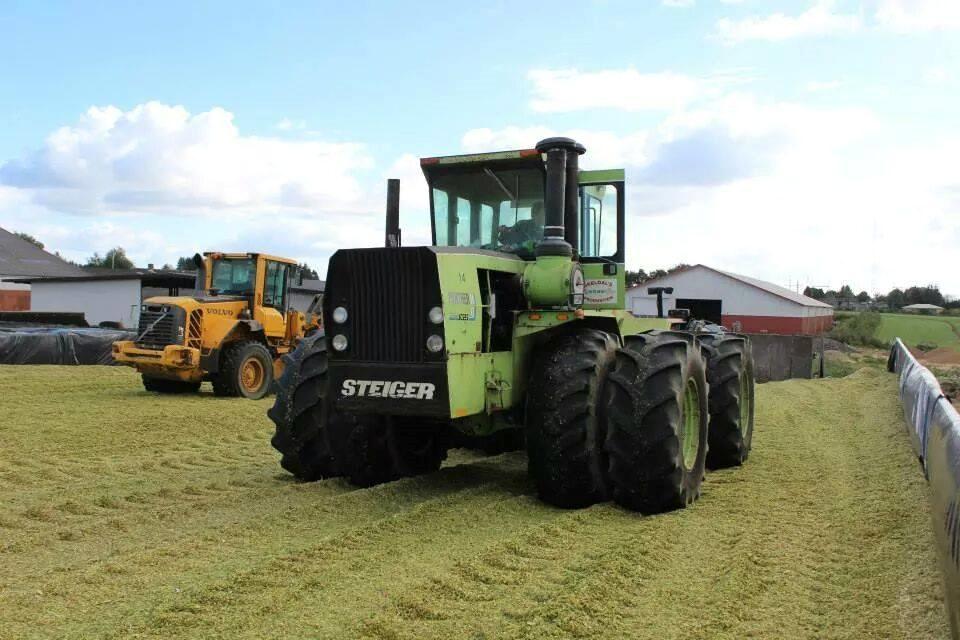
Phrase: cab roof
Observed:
(517, 154)
(240, 256)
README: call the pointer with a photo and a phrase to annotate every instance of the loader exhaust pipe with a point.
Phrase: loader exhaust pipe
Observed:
(393, 213)
(560, 197)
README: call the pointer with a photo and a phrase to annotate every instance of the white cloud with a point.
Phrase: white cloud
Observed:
(906, 16)
(161, 159)
(772, 189)
(936, 75)
(286, 124)
(819, 20)
(817, 86)
(565, 90)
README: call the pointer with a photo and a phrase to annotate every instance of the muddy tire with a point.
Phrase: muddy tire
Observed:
(162, 385)
(655, 407)
(730, 376)
(246, 369)
(310, 437)
(565, 431)
(385, 448)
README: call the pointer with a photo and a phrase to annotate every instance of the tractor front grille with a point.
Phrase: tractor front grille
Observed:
(160, 325)
(388, 294)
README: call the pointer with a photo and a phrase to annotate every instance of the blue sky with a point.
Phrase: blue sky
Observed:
(803, 142)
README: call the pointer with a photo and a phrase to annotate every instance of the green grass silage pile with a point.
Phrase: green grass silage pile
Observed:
(127, 515)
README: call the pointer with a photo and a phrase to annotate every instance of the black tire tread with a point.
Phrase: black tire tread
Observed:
(386, 448)
(564, 427)
(728, 358)
(163, 385)
(643, 410)
(311, 444)
(226, 383)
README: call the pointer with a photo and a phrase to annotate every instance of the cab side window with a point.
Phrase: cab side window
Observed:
(275, 286)
(598, 220)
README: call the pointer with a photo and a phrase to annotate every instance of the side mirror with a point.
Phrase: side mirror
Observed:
(198, 261)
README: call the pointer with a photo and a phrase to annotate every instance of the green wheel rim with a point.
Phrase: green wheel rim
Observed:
(690, 438)
(745, 402)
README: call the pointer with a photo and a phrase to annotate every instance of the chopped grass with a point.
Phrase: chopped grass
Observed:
(132, 515)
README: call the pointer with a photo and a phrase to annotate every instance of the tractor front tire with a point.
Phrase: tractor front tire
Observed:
(730, 376)
(564, 426)
(657, 421)
(246, 369)
(310, 435)
(162, 385)
(386, 448)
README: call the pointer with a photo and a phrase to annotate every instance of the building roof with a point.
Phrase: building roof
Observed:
(922, 306)
(309, 286)
(21, 258)
(769, 287)
(148, 277)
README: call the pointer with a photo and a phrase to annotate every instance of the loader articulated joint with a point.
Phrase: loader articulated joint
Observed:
(560, 194)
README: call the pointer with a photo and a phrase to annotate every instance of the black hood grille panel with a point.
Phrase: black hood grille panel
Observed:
(387, 294)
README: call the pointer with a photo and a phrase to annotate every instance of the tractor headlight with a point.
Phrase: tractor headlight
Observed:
(434, 344)
(340, 316)
(436, 315)
(339, 342)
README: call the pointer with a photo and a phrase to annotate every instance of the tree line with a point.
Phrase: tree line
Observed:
(894, 299)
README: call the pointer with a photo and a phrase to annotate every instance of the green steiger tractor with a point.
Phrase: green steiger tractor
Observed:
(511, 328)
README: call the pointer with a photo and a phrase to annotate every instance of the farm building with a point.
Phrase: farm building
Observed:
(927, 309)
(107, 296)
(302, 293)
(737, 302)
(115, 296)
(22, 259)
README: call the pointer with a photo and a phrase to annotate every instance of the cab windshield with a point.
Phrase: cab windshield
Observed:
(486, 208)
(233, 276)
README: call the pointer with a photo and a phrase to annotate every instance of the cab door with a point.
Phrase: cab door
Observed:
(272, 308)
(601, 239)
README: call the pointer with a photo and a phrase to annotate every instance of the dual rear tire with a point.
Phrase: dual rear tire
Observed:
(629, 424)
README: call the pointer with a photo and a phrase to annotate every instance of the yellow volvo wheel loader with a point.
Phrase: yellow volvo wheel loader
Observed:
(233, 332)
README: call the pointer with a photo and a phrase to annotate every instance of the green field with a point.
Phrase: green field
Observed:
(127, 515)
(943, 331)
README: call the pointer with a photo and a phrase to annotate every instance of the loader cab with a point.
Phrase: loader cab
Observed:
(494, 202)
(262, 280)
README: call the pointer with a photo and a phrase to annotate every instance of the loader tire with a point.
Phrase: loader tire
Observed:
(655, 408)
(162, 385)
(565, 431)
(730, 376)
(246, 369)
(310, 435)
(386, 448)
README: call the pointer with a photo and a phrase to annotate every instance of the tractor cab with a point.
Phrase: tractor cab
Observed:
(497, 202)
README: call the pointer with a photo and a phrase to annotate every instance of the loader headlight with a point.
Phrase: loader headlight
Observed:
(339, 342)
(436, 315)
(434, 344)
(340, 315)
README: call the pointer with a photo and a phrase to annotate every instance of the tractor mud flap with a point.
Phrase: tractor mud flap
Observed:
(394, 389)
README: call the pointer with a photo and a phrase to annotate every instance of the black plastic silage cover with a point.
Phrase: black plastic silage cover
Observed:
(46, 345)
(935, 431)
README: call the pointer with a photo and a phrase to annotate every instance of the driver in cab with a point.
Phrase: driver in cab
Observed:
(524, 234)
